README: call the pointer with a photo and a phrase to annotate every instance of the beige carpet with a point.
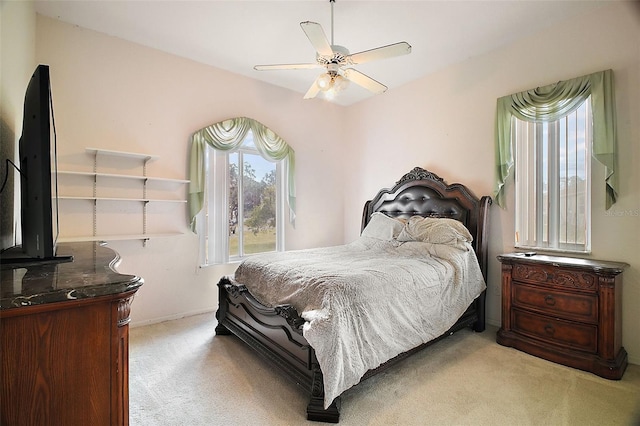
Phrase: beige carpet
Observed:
(182, 374)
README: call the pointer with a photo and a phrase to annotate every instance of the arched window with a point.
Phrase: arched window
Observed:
(554, 130)
(241, 178)
(553, 182)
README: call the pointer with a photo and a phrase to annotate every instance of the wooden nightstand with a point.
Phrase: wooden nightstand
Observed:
(565, 310)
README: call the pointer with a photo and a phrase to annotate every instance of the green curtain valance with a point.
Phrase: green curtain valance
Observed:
(229, 135)
(552, 102)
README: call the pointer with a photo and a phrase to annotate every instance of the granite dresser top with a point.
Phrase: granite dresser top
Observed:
(90, 273)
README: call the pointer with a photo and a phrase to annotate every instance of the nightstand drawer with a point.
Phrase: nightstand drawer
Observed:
(576, 306)
(556, 277)
(566, 333)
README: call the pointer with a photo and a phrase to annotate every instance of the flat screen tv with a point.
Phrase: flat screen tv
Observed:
(37, 206)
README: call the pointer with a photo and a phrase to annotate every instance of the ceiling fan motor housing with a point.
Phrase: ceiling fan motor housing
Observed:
(333, 68)
(340, 55)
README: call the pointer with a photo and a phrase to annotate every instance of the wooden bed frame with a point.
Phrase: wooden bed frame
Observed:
(276, 333)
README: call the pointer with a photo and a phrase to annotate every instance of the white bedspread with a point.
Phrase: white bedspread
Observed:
(367, 301)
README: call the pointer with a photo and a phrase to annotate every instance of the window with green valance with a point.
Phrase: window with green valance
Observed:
(549, 103)
(228, 135)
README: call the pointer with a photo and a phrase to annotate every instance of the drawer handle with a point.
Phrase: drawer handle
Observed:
(549, 329)
(549, 276)
(549, 300)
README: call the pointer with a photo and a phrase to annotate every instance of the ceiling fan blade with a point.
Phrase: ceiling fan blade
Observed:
(318, 39)
(389, 51)
(364, 80)
(313, 90)
(286, 67)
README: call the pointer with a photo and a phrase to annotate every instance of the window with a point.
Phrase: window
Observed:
(552, 181)
(243, 204)
(241, 177)
(550, 135)
(252, 202)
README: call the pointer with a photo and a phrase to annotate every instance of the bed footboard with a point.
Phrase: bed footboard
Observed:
(276, 334)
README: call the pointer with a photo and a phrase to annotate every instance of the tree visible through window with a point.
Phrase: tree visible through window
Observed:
(252, 203)
(244, 204)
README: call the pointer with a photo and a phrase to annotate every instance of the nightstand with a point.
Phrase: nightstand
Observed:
(566, 310)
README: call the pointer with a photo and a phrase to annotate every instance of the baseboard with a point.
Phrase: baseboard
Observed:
(497, 323)
(134, 324)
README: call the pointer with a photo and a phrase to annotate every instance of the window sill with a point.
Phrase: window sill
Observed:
(220, 265)
(552, 250)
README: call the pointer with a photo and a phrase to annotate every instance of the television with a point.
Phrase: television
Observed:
(37, 212)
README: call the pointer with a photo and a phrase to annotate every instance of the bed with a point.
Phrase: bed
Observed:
(289, 334)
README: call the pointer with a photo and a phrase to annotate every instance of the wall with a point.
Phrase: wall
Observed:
(444, 122)
(17, 62)
(112, 94)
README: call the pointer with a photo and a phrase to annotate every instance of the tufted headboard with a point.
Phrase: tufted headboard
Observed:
(424, 193)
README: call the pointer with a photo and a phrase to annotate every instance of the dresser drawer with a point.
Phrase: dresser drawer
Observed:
(575, 306)
(566, 333)
(553, 276)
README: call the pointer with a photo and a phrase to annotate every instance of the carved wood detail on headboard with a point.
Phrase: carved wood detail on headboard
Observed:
(418, 173)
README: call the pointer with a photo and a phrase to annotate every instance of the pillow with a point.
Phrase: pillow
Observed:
(382, 227)
(434, 230)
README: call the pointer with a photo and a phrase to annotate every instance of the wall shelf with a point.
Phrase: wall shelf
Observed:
(146, 200)
(144, 157)
(120, 176)
(133, 179)
(116, 237)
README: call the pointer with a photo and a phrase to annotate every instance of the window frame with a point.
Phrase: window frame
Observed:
(213, 223)
(528, 158)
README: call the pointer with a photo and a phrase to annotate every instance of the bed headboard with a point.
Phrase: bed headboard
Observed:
(421, 192)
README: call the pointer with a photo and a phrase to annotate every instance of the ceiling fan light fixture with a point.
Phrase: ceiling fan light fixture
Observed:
(340, 83)
(324, 82)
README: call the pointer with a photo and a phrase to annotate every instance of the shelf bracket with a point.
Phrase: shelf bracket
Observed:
(95, 194)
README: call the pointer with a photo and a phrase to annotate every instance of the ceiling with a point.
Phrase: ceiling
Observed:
(236, 35)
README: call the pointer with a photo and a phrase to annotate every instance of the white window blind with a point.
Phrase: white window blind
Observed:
(553, 182)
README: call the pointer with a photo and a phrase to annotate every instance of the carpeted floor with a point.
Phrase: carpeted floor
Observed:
(182, 374)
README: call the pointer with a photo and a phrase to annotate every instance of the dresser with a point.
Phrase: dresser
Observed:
(566, 310)
(64, 355)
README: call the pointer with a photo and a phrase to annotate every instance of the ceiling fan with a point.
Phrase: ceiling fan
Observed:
(336, 60)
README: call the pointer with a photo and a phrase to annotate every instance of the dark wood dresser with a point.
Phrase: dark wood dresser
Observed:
(565, 310)
(64, 338)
